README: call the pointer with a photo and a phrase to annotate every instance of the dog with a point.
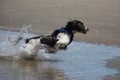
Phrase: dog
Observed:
(58, 39)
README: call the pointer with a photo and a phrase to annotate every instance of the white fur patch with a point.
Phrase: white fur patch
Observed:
(63, 38)
(30, 49)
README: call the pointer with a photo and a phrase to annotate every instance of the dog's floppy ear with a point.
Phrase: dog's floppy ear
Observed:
(70, 24)
(75, 25)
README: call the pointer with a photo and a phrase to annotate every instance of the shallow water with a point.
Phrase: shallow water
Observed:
(81, 61)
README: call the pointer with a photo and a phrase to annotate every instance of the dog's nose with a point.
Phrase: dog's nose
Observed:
(86, 30)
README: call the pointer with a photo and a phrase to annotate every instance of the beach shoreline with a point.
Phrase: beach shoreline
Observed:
(78, 37)
(101, 17)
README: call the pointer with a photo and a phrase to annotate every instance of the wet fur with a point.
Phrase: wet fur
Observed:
(51, 44)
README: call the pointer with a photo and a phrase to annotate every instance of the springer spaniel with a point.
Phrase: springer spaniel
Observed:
(58, 39)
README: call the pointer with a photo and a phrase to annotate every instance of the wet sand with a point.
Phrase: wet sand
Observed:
(101, 16)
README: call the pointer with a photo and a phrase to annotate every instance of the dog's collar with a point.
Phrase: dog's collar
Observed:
(61, 30)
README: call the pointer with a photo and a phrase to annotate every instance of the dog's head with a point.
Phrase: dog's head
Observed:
(77, 26)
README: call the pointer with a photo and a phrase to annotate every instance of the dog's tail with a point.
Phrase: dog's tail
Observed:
(27, 41)
(36, 37)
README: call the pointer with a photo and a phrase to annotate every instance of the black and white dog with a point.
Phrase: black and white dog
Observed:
(59, 39)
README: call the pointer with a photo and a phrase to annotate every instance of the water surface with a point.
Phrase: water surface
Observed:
(81, 61)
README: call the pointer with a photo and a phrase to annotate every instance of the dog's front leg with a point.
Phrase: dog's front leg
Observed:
(52, 50)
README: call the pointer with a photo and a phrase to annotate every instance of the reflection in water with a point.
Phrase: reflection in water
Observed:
(113, 63)
(30, 70)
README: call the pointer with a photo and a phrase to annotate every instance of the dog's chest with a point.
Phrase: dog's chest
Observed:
(63, 38)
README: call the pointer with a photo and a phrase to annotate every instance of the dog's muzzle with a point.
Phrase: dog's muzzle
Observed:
(85, 30)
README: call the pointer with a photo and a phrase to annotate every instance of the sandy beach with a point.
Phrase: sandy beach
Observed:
(102, 17)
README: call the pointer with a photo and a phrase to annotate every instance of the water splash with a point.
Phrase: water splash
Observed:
(11, 44)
